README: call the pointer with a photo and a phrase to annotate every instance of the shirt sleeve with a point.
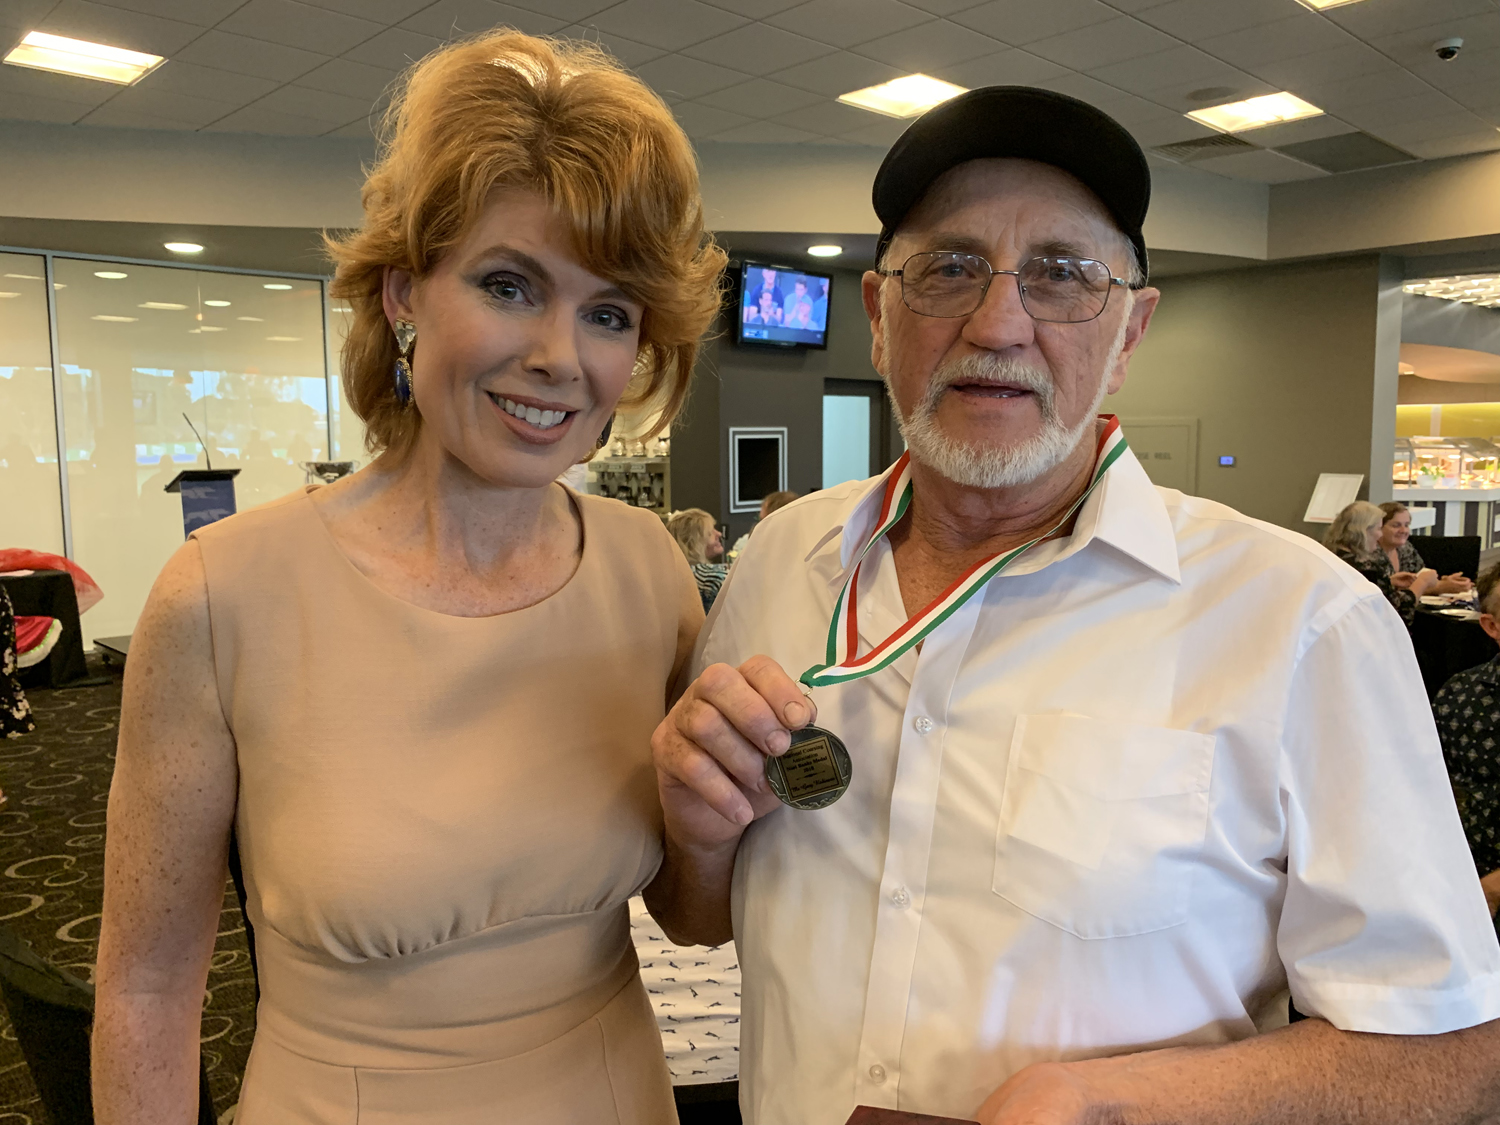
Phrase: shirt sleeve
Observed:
(1384, 926)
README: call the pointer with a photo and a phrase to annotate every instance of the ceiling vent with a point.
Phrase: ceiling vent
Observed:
(1347, 152)
(1186, 152)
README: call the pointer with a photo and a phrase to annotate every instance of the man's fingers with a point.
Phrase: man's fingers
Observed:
(705, 726)
(782, 693)
(727, 691)
(680, 762)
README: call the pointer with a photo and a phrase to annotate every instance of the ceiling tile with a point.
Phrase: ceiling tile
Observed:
(765, 132)
(1168, 131)
(1370, 21)
(1427, 128)
(450, 19)
(357, 129)
(882, 134)
(1260, 167)
(202, 13)
(1349, 93)
(1290, 38)
(1480, 92)
(1082, 87)
(118, 118)
(699, 120)
(847, 22)
(758, 48)
(1178, 69)
(1349, 61)
(1100, 44)
(1481, 66)
(1427, 106)
(385, 12)
(27, 13)
(945, 7)
(628, 51)
(249, 56)
(1010, 67)
(1415, 44)
(573, 10)
(668, 24)
(24, 82)
(178, 77)
(1486, 140)
(255, 119)
(1127, 109)
(394, 49)
(756, 9)
(760, 97)
(319, 105)
(1294, 132)
(1019, 22)
(828, 118)
(345, 76)
(930, 48)
(679, 78)
(188, 109)
(837, 74)
(1194, 20)
(118, 27)
(300, 25)
(31, 107)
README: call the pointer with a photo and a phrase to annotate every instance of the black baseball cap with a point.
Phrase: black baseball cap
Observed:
(1022, 122)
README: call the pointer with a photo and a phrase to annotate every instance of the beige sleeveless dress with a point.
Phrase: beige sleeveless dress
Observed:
(441, 819)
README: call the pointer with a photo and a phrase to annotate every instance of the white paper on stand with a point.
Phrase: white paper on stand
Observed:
(1334, 493)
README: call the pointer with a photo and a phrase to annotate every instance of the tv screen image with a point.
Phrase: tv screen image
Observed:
(783, 307)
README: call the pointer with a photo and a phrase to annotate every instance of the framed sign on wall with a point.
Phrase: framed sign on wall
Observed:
(757, 465)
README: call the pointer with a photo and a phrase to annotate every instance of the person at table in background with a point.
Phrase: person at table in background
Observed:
(1467, 710)
(15, 711)
(440, 825)
(702, 544)
(1108, 803)
(1402, 556)
(1354, 536)
(772, 503)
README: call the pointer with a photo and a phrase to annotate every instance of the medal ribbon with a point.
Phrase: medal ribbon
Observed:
(842, 662)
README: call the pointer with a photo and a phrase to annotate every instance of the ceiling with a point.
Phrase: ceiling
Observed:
(768, 71)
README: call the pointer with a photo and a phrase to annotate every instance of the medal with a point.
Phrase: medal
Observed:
(813, 773)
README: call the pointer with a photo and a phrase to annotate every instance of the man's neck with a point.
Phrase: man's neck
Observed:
(949, 527)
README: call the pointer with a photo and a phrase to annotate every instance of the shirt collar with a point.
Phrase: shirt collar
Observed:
(1125, 511)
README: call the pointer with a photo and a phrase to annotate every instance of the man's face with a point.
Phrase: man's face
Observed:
(768, 278)
(995, 394)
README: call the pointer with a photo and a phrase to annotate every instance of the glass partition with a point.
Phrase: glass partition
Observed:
(30, 493)
(348, 430)
(148, 355)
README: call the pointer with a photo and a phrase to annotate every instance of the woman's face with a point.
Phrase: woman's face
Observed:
(1396, 531)
(1372, 537)
(521, 352)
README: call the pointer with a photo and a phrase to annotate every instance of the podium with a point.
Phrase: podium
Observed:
(207, 496)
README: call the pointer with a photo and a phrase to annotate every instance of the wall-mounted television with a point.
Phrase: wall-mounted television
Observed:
(780, 307)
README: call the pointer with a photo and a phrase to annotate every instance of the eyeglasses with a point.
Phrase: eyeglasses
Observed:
(1057, 290)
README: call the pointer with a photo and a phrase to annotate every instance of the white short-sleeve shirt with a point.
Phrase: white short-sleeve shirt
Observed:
(1157, 774)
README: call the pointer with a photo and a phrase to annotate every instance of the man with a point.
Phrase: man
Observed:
(1467, 710)
(1112, 798)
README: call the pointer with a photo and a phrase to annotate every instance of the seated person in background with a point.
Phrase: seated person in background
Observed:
(801, 317)
(1354, 536)
(703, 544)
(1467, 710)
(770, 504)
(15, 712)
(1396, 548)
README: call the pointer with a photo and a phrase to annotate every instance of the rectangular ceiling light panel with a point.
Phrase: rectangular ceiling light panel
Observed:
(40, 51)
(1324, 5)
(1254, 113)
(903, 97)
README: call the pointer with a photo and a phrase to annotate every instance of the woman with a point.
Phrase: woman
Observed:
(15, 712)
(1354, 536)
(1397, 550)
(376, 682)
(702, 544)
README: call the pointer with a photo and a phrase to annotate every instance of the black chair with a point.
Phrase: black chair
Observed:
(51, 1012)
(708, 1103)
(1449, 554)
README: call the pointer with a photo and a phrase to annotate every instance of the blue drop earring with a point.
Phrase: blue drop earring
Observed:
(406, 336)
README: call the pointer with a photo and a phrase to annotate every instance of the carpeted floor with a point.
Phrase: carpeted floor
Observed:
(52, 880)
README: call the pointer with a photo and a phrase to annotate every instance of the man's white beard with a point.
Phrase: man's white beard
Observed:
(986, 466)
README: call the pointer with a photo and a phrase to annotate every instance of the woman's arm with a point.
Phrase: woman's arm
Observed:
(171, 806)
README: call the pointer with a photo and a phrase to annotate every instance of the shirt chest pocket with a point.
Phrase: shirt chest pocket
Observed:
(1102, 824)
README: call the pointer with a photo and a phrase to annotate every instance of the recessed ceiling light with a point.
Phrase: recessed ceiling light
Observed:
(284, 339)
(24, 276)
(252, 319)
(110, 275)
(217, 304)
(183, 247)
(1323, 5)
(903, 97)
(116, 319)
(160, 305)
(212, 328)
(6, 296)
(825, 250)
(275, 285)
(1253, 113)
(40, 51)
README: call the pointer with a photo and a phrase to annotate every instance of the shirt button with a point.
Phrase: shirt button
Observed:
(923, 724)
(877, 1074)
(900, 899)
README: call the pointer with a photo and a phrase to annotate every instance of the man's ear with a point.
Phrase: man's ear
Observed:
(396, 294)
(869, 291)
(1490, 626)
(1136, 322)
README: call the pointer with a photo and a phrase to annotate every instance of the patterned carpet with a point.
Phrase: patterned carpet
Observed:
(52, 886)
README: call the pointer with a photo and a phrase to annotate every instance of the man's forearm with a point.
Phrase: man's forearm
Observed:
(1308, 1074)
(689, 898)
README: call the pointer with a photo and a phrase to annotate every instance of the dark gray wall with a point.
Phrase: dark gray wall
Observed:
(736, 386)
(1279, 365)
(1449, 324)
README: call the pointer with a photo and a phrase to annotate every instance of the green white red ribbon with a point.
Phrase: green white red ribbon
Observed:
(842, 662)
